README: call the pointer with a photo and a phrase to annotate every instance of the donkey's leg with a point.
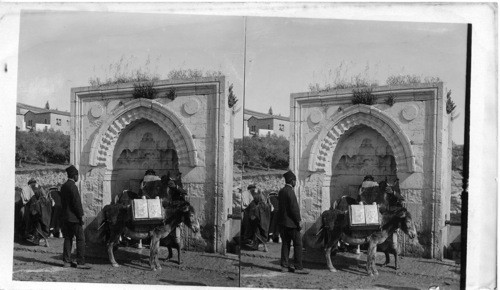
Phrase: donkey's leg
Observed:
(177, 245)
(154, 248)
(156, 235)
(328, 252)
(384, 247)
(394, 249)
(387, 258)
(170, 253)
(370, 263)
(111, 246)
(395, 253)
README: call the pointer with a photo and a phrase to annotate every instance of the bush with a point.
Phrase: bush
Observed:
(342, 77)
(400, 80)
(363, 96)
(450, 105)
(268, 152)
(144, 90)
(121, 72)
(457, 158)
(47, 146)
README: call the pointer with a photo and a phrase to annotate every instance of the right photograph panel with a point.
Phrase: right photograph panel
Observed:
(352, 154)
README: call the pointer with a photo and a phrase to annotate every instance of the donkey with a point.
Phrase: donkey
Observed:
(335, 229)
(391, 221)
(183, 214)
(117, 222)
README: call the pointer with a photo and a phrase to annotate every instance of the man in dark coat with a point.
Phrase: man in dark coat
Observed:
(72, 217)
(289, 221)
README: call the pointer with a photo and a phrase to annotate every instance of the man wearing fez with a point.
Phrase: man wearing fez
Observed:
(72, 217)
(289, 221)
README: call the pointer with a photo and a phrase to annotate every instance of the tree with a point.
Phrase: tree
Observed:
(25, 151)
(48, 146)
(270, 110)
(457, 158)
(268, 152)
(47, 106)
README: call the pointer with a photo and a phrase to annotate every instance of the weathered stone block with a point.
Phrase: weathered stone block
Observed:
(413, 195)
(307, 205)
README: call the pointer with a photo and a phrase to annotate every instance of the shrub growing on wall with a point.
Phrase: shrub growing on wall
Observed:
(363, 96)
(409, 79)
(231, 100)
(450, 105)
(144, 90)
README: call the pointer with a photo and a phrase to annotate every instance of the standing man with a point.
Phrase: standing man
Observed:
(26, 194)
(289, 221)
(72, 217)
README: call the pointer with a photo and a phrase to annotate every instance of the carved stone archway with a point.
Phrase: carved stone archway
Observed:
(104, 142)
(414, 128)
(324, 146)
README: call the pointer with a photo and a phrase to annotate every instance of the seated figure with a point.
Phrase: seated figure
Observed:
(368, 190)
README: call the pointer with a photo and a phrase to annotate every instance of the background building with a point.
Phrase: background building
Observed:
(256, 123)
(42, 119)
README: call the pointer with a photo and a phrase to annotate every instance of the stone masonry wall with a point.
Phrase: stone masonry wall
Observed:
(45, 178)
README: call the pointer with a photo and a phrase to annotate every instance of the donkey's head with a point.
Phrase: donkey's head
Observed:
(406, 223)
(185, 214)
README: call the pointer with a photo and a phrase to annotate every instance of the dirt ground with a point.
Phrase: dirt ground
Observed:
(37, 263)
(259, 269)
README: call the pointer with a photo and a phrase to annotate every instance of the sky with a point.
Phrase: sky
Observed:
(285, 55)
(61, 50)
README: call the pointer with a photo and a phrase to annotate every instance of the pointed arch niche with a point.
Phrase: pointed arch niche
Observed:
(323, 148)
(101, 152)
(324, 154)
(120, 121)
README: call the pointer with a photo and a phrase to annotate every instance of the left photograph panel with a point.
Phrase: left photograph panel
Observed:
(125, 134)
